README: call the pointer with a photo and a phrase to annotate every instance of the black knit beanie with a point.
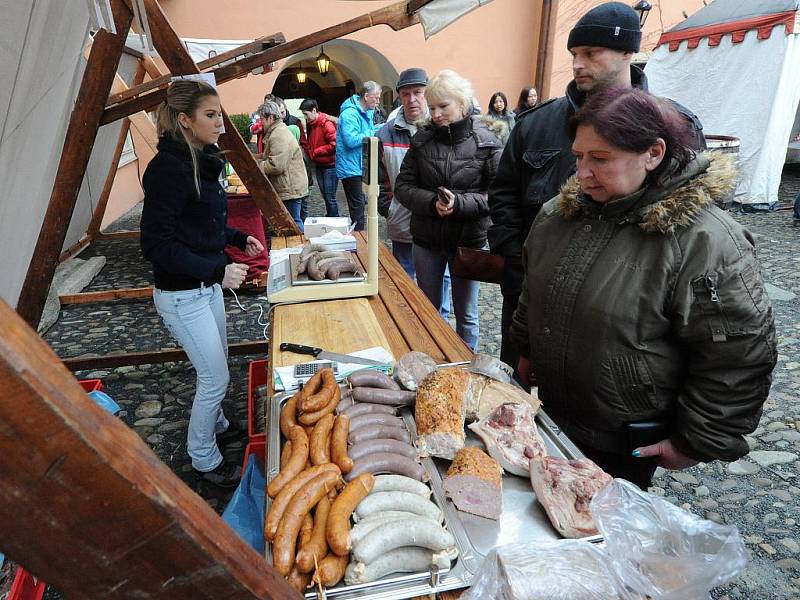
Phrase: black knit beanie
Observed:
(611, 25)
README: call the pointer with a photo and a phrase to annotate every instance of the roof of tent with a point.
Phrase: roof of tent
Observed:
(734, 17)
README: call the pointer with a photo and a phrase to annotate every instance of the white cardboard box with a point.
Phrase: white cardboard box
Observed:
(318, 226)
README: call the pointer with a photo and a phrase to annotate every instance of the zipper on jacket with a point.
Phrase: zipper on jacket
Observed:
(711, 284)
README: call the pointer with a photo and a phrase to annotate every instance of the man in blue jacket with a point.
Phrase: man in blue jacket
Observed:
(355, 123)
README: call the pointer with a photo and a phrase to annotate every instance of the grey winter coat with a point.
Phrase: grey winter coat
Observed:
(462, 157)
(650, 307)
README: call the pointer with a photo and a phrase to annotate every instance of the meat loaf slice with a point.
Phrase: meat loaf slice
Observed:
(439, 412)
(412, 368)
(475, 483)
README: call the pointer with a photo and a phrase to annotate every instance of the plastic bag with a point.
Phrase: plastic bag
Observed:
(544, 570)
(245, 511)
(661, 550)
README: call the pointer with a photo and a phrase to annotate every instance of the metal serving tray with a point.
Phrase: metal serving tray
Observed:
(523, 518)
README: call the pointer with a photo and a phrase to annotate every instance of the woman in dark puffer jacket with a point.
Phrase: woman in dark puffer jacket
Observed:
(444, 182)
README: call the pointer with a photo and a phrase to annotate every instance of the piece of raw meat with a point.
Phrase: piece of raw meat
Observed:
(565, 489)
(484, 394)
(412, 368)
(475, 483)
(506, 431)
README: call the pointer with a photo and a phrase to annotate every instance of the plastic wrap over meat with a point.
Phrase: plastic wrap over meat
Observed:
(545, 570)
(661, 550)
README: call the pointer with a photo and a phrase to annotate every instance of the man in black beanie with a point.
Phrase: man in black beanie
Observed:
(538, 159)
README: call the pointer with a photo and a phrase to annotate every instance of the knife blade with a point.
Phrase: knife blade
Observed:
(325, 355)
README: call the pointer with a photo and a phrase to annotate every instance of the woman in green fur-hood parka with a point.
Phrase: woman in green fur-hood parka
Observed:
(643, 315)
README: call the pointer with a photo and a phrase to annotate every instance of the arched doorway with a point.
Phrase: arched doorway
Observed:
(352, 63)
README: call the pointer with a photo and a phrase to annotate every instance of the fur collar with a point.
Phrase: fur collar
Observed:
(486, 131)
(676, 204)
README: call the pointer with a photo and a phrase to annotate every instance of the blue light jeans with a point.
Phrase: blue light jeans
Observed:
(328, 182)
(295, 209)
(402, 251)
(196, 319)
(430, 266)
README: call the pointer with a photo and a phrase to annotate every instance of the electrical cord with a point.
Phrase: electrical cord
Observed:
(261, 313)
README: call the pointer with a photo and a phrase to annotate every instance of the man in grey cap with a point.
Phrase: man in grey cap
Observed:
(395, 138)
(538, 157)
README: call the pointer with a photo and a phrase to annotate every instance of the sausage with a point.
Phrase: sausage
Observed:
(306, 530)
(373, 379)
(405, 501)
(303, 501)
(341, 427)
(279, 504)
(399, 483)
(370, 419)
(396, 534)
(338, 267)
(289, 414)
(367, 407)
(384, 462)
(312, 417)
(382, 445)
(379, 431)
(315, 549)
(320, 441)
(323, 393)
(295, 464)
(338, 528)
(346, 401)
(408, 559)
(382, 396)
(299, 581)
(385, 515)
(285, 453)
(330, 571)
(312, 268)
(364, 526)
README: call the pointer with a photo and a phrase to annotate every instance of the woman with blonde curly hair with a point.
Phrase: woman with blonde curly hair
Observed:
(444, 182)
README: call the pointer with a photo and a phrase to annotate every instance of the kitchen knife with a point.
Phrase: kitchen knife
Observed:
(325, 355)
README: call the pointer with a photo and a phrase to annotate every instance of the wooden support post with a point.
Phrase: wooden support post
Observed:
(178, 60)
(81, 132)
(395, 16)
(155, 357)
(87, 506)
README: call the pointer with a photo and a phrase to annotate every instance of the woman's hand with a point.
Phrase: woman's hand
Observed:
(254, 246)
(524, 370)
(668, 455)
(234, 276)
(445, 203)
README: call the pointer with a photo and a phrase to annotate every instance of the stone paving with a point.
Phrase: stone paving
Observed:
(759, 494)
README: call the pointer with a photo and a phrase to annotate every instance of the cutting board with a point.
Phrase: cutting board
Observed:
(336, 325)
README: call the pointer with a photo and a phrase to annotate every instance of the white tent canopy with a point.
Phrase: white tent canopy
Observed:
(736, 64)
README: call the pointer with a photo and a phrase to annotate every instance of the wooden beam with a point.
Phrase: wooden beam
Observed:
(75, 248)
(178, 60)
(159, 81)
(100, 210)
(118, 235)
(106, 296)
(86, 505)
(547, 28)
(81, 132)
(155, 357)
(394, 15)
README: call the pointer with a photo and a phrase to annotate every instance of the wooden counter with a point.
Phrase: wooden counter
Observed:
(400, 317)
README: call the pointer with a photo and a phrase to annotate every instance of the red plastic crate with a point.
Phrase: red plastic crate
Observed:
(26, 586)
(259, 448)
(257, 375)
(92, 385)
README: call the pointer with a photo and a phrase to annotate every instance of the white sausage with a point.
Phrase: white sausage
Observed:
(395, 534)
(400, 483)
(408, 559)
(383, 501)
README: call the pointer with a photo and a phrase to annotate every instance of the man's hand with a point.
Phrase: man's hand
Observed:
(668, 455)
(234, 276)
(445, 203)
(254, 247)
(524, 370)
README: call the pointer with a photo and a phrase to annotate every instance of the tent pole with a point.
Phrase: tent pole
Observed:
(178, 60)
(88, 507)
(95, 86)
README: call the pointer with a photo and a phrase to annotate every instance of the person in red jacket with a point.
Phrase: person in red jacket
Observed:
(322, 151)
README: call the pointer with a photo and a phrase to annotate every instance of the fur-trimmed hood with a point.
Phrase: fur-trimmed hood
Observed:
(671, 205)
(484, 128)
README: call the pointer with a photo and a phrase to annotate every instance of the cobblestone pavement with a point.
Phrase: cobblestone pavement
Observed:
(759, 494)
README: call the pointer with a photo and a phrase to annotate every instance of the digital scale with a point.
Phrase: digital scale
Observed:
(282, 286)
